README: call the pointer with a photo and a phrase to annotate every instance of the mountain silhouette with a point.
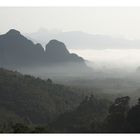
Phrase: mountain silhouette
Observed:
(56, 51)
(83, 40)
(16, 51)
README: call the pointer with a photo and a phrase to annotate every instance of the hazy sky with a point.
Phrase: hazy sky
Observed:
(124, 22)
(111, 21)
(128, 59)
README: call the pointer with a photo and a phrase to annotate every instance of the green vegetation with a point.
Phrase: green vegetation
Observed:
(90, 111)
(35, 100)
(32, 105)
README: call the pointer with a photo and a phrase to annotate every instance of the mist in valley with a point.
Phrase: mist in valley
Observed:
(69, 72)
(114, 72)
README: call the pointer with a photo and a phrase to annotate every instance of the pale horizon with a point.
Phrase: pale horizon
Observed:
(117, 22)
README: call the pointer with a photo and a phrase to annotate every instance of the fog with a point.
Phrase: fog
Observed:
(107, 38)
(93, 52)
(127, 60)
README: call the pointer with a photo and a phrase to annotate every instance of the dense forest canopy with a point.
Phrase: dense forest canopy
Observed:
(33, 105)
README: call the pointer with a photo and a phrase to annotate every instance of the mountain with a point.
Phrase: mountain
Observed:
(82, 40)
(56, 51)
(18, 53)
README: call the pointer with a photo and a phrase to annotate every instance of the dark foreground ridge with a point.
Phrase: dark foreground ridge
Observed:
(28, 99)
(32, 105)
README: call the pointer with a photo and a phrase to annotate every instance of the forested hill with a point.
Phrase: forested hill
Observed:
(33, 99)
(29, 105)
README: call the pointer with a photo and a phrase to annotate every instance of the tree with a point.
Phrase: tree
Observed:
(21, 128)
(49, 81)
(133, 118)
(116, 120)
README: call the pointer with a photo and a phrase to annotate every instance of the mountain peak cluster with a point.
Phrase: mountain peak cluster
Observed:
(18, 51)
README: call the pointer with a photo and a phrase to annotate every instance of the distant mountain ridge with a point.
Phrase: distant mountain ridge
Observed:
(16, 51)
(83, 40)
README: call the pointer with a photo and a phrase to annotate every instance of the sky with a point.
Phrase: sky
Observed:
(114, 21)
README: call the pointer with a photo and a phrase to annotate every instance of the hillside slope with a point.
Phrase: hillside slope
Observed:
(34, 99)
